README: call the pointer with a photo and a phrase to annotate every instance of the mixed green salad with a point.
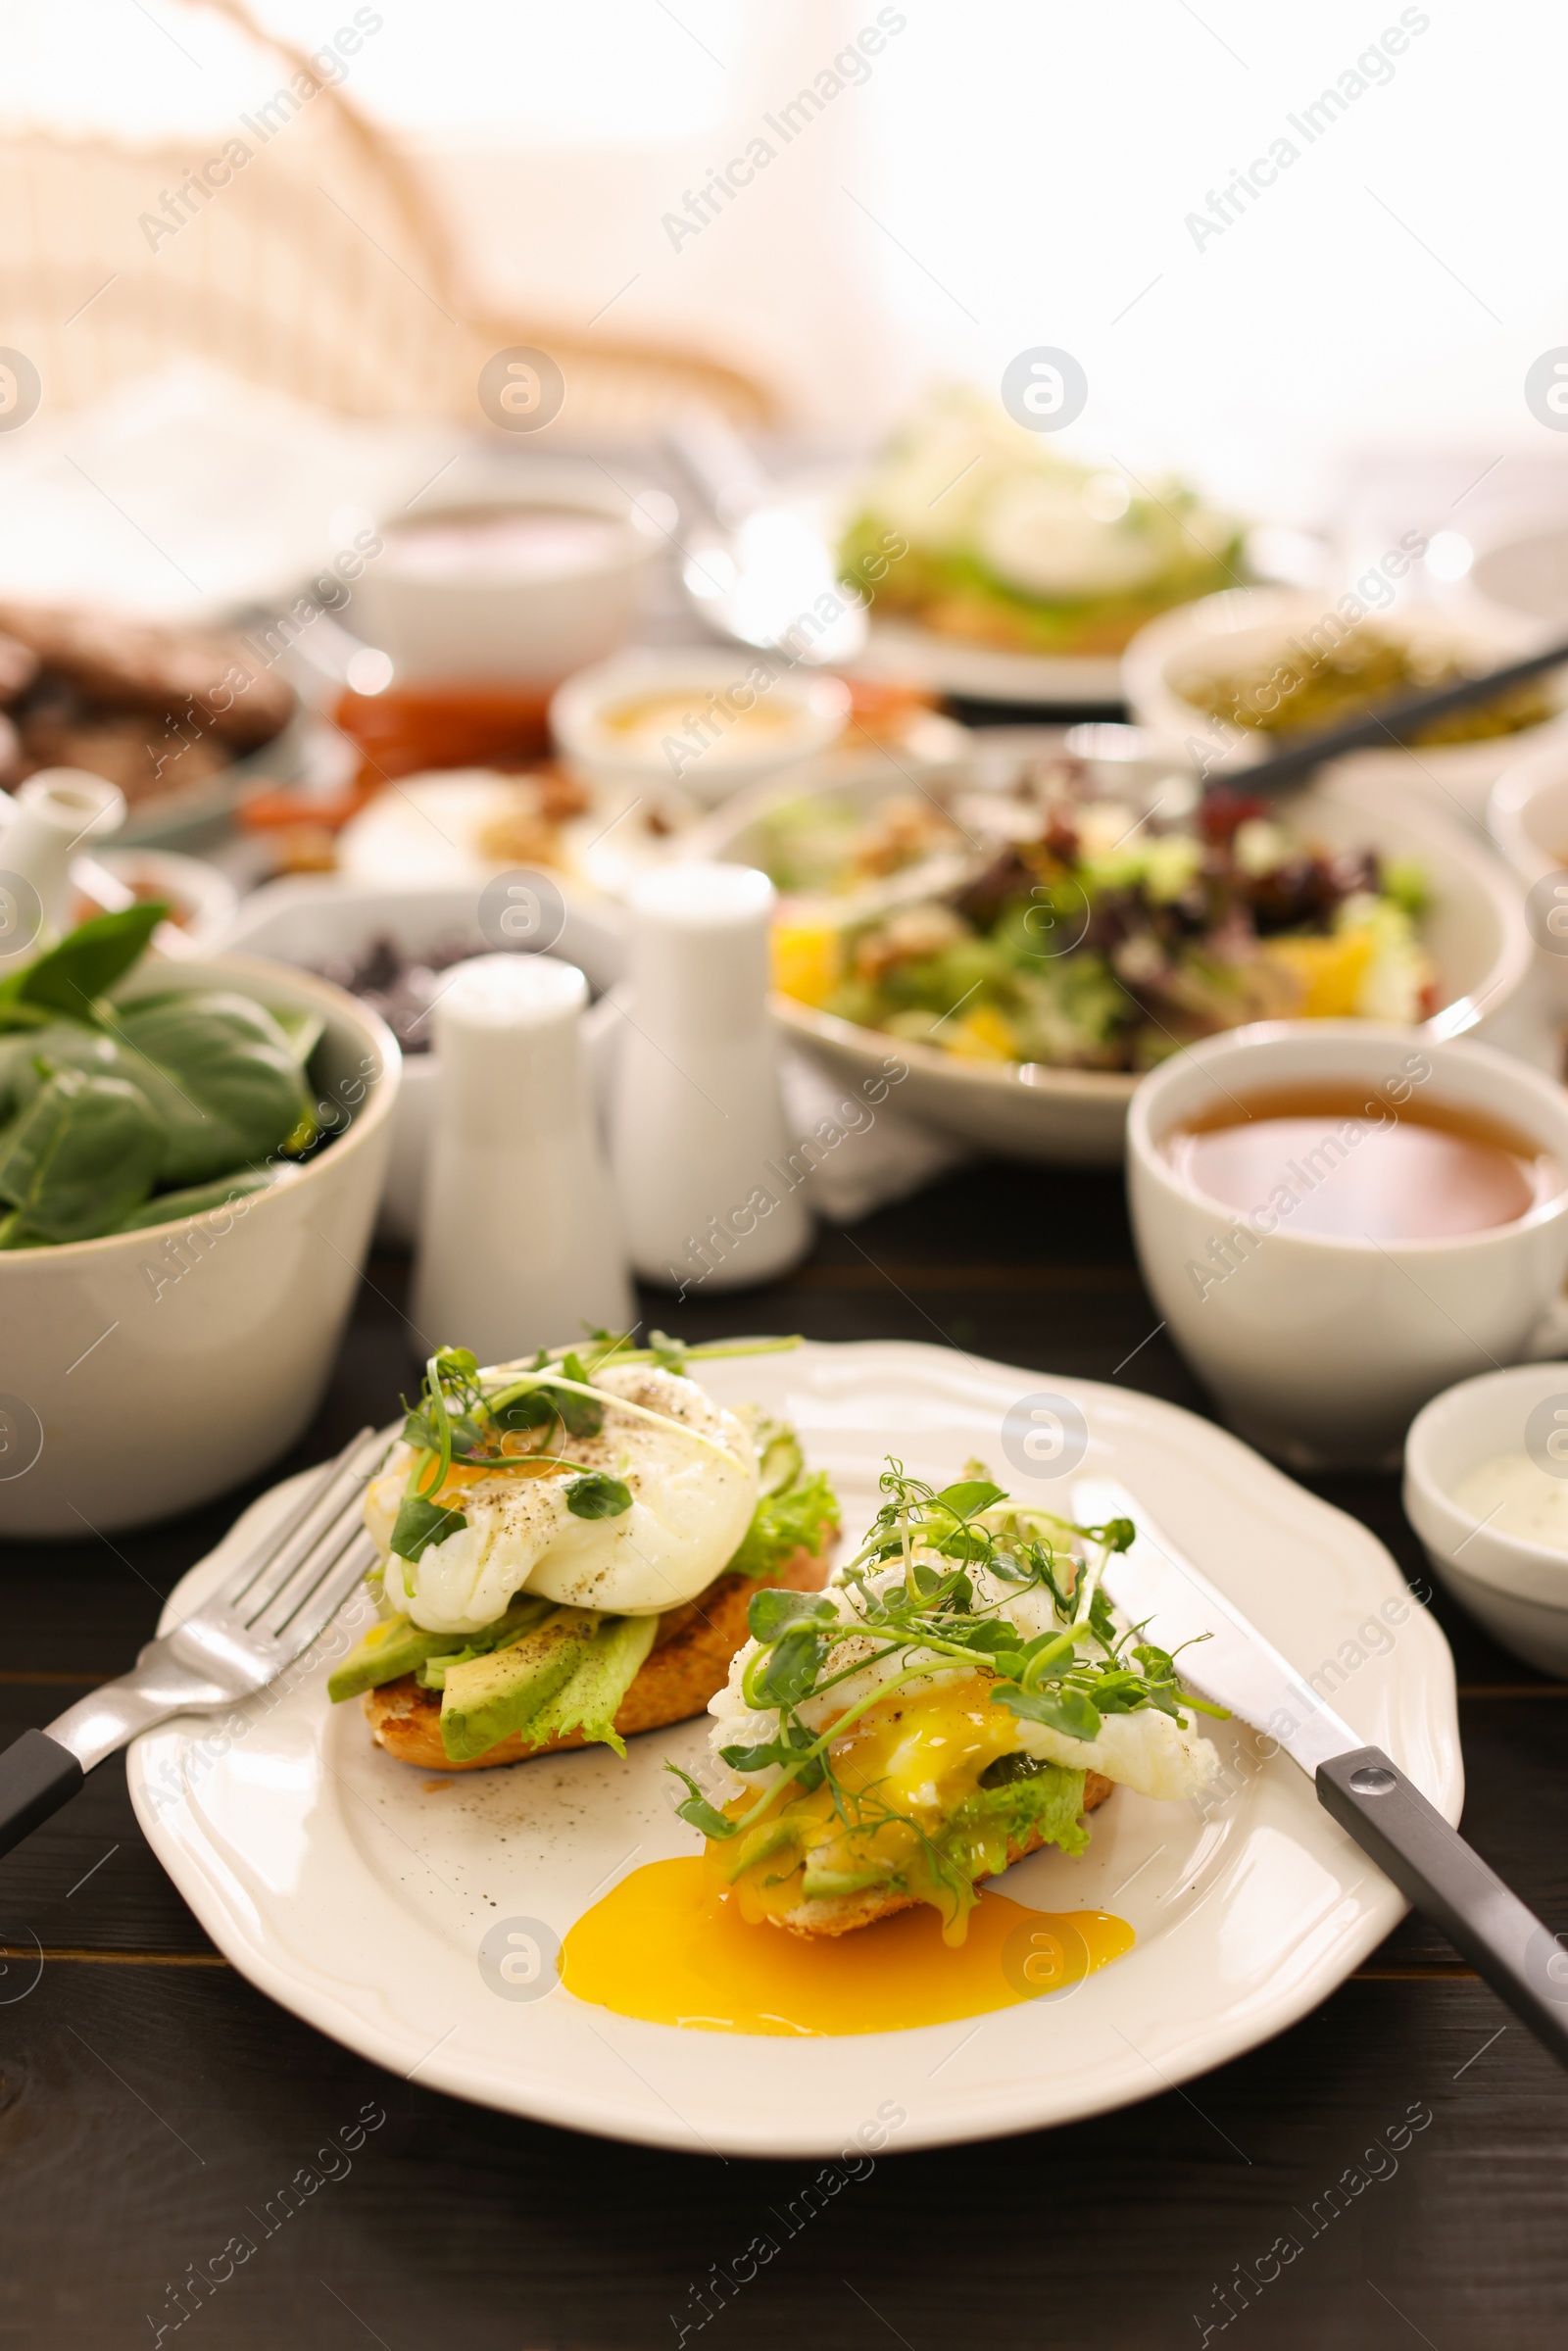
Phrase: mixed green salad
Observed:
(966, 1628)
(1058, 927)
(1010, 544)
(539, 1669)
(118, 1115)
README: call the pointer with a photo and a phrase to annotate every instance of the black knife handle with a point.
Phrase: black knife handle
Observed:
(37, 1775)
(1450, 1883)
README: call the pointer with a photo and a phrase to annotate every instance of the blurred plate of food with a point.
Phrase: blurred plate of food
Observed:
(1032, 928)
(1230, 677)
(178, 717)
(1000, 570)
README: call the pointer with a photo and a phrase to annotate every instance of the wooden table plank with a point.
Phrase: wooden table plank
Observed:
(175, 2106)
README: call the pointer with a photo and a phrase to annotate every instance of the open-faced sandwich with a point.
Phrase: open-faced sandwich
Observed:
(961, 1695)
(568, 1548)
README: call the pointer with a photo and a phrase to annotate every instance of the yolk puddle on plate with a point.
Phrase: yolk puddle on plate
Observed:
(667, 1947)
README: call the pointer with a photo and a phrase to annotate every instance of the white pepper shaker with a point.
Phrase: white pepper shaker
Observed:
(519, 1239)
(699, 1143)
(54, 814)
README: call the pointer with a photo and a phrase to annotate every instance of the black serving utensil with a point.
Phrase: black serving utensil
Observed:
(1389, 724)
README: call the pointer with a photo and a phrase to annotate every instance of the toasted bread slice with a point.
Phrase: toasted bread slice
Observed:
(843, 1913)
(689, 1661)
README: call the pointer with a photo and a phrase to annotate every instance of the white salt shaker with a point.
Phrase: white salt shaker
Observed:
(519, 1239)
(699, 1143)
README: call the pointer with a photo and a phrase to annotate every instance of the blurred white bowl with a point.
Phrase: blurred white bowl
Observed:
(1252, 628)
(155, 1369)
(1525, 568)
(526, 581)
(1475, 931)
(313, 922)
(704, 721)
(1517, 1589)
(1527, 817)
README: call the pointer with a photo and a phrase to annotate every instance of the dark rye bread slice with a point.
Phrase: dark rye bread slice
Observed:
(689, 1661)
(843, 1913)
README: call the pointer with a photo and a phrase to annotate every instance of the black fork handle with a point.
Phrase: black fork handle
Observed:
(37, 1775)
(1450, 1883)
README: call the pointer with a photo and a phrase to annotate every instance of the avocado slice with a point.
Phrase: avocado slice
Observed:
(589, 1701)
(390, 1648)
(487, 1698)
(396, 1646)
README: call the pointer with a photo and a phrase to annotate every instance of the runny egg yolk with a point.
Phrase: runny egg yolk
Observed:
(669, 1947)
(689, 1942)
(906, 1767)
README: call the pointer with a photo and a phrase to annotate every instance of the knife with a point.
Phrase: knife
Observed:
(1153, 1584)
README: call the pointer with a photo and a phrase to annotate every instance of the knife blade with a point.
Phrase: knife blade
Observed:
(1152, 1584)
(1230, 1663)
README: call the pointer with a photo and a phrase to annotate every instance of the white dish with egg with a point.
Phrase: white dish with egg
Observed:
(1486, 1488)
(359, 1895)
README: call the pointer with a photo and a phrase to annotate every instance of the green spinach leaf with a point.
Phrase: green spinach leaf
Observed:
(168, 1207)
(220, 1077)
(79, 1158)
(73, 976)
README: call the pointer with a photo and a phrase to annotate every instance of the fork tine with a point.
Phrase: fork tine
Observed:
(275, 1561)
(315, 1613)
(268, 1615)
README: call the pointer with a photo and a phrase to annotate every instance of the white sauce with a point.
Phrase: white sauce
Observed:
(1513, 1497)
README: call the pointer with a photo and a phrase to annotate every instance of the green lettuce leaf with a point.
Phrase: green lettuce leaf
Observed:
(1047, 1796)
(589, 1701)
(800, 1518)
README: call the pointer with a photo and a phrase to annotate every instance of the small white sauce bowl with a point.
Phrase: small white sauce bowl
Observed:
(1517, 1589)
(712, 743)
(531, 626)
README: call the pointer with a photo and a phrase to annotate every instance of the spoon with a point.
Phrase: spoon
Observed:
(756, 570)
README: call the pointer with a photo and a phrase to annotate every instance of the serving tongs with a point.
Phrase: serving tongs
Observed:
(280, 1597)
(1390, 725)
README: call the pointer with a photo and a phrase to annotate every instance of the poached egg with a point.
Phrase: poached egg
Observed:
(693, 1479)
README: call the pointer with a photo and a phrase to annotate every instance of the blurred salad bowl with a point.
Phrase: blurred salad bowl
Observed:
(1039, 924)
(190, 1156)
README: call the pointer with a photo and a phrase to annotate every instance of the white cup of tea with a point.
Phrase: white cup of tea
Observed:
(1339, 1218)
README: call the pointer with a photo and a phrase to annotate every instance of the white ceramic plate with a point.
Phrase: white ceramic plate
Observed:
(1047, 681)
(345, 1887)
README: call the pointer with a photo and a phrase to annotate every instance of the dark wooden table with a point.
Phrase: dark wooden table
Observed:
(152, 2103)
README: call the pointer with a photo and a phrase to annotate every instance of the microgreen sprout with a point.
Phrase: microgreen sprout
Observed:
(951, 1545)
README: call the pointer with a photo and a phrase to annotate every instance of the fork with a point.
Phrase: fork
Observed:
(284, 1594)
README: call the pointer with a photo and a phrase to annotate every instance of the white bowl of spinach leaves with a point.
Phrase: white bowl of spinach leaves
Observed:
(191, 1158)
